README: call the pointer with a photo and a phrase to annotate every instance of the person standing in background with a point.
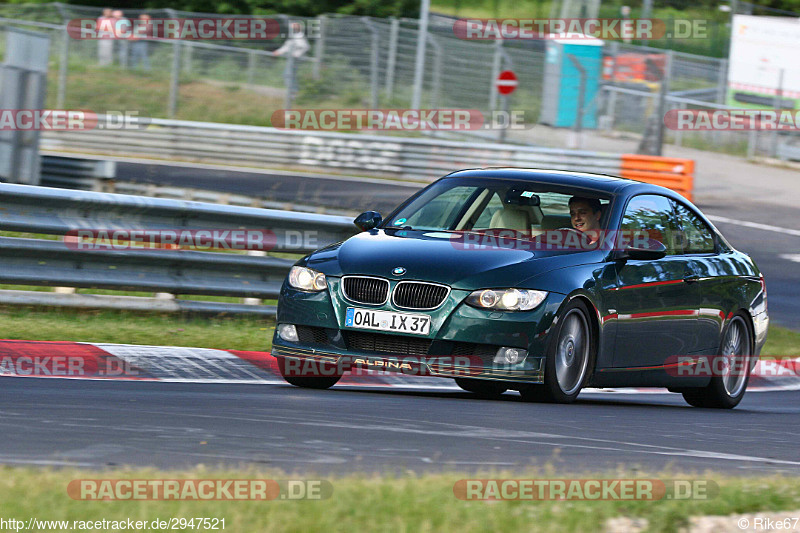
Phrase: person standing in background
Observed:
(139, 45)
(294, 47)
(105, 47)
(119, 24)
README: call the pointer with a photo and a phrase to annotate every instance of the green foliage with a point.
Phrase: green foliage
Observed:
(338, 81)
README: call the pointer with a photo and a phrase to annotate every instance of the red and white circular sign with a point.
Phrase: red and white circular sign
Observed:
(506, 82)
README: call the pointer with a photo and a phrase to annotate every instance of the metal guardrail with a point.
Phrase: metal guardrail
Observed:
(406, 158)
(75, 173)
(204, 195)
(43, 262)
(412, 159)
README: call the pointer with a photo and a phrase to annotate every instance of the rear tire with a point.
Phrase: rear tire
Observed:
(727, 390)
(307, 381)
(484, 389)
(570, 356)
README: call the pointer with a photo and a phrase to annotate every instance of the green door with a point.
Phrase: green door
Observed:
(657, 301)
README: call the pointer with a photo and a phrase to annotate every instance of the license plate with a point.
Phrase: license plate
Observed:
(387, 321)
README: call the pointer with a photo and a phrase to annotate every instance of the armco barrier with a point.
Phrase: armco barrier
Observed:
(670, 172)
(75, 173)
(47, 262)
(406, 158)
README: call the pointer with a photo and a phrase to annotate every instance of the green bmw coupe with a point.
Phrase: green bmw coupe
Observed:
(544, 282)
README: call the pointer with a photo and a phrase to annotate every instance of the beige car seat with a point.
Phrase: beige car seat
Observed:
(512, 217)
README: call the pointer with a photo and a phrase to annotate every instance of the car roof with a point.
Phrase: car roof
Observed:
(599, 182)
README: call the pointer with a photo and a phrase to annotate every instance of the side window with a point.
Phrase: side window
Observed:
(697, 237)
(652, 214)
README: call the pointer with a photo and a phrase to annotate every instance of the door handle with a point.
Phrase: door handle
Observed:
(691, 278)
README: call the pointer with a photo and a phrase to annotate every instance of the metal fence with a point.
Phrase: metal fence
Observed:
(621, 110)
(360, 62)
(55, 263)
(355, 62)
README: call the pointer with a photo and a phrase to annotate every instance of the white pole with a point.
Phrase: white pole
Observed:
(392, 57)
(419, 68)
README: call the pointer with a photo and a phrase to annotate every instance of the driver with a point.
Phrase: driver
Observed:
(585, 213)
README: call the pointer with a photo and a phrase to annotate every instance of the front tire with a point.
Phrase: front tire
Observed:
(306, 379)
(484, 389)
(727, 390)
(569, 358)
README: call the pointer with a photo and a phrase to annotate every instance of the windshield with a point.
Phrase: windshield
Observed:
(462, 204)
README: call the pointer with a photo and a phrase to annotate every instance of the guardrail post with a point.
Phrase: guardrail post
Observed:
(254, 301)
(497, 60)
(611, 107)
(187, 57)
(63, 66)
(678, 135)
(373, 63)
(289, 79)
(251, 66)
(752, 142)
(662, 100)
(319, 51)
(773, 148)
(392, 58)
(419, 61)
(437, 71)
(172, 105)
(722, 81)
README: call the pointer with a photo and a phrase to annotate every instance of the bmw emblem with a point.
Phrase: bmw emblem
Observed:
(399, 271)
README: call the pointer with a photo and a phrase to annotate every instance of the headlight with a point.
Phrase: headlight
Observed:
(306, 279)
(506, 300)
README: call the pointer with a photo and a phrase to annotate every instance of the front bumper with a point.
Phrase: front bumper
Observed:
(462, 341)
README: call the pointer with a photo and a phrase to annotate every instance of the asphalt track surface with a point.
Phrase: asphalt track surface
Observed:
(765, 246)
(97, 424)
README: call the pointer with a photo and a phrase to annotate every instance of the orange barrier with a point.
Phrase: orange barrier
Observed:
(670, 172)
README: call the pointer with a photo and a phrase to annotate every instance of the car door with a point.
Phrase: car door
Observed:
(700, 250)
(656, 300)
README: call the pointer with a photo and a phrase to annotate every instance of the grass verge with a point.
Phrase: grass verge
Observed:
(387, 503)
(222, 332)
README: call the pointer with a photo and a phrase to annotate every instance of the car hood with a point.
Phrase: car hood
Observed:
(441, 257)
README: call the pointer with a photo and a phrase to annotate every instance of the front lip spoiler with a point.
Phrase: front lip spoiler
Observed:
(424, 368)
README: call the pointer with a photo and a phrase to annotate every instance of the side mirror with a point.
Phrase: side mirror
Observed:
(368, 220)
(656, 250)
